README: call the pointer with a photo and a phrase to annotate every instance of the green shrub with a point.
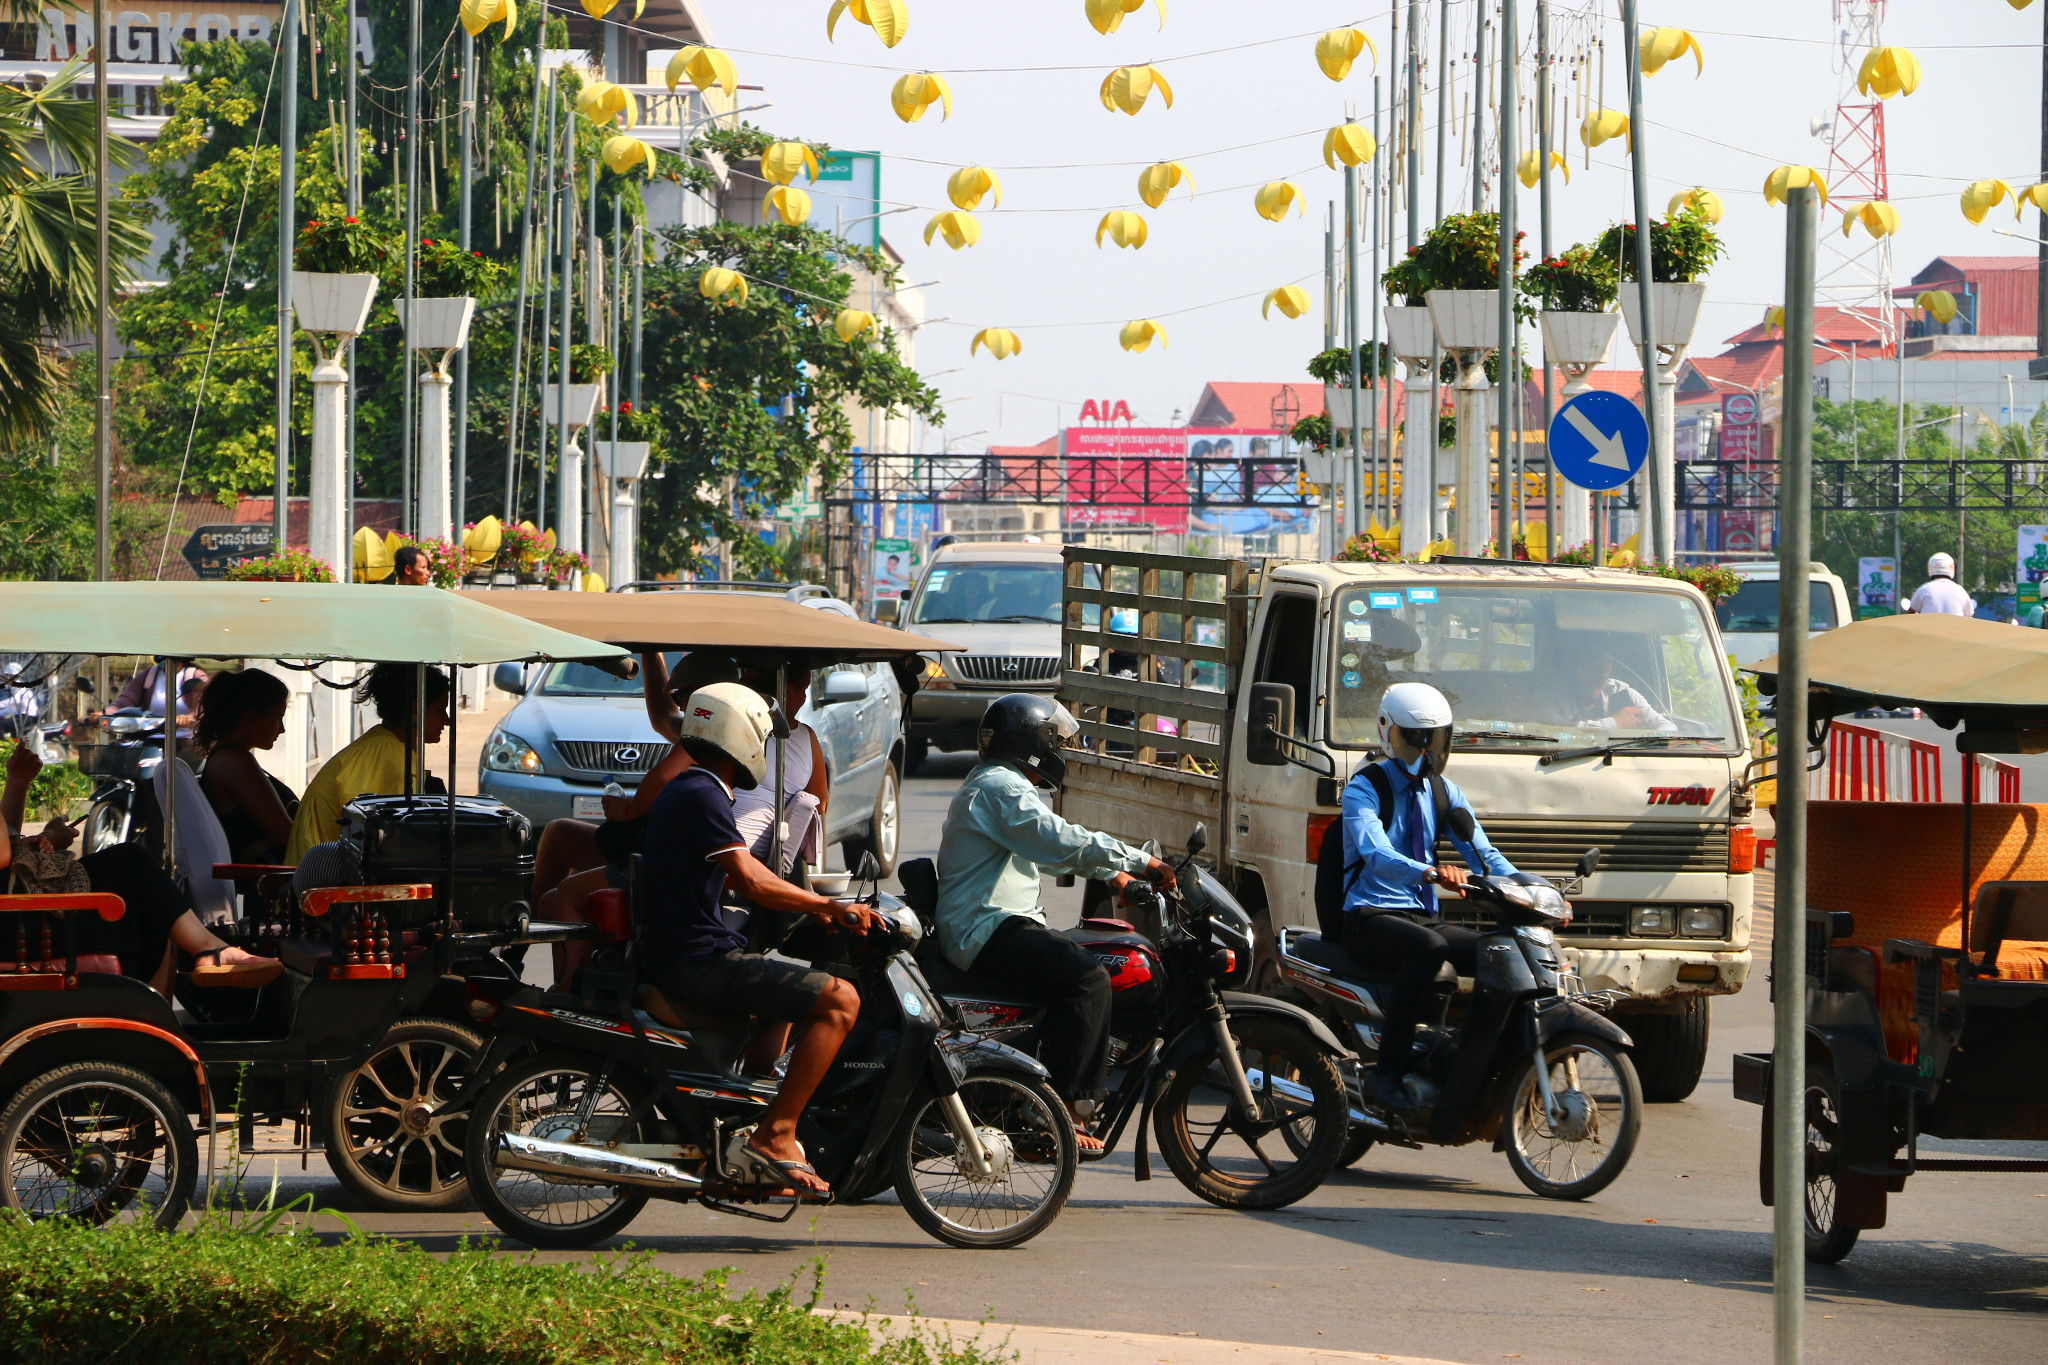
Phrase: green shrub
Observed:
(217, 1294)
(56, 789)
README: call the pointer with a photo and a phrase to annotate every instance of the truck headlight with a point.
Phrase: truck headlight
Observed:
(508, 753)
(1653, 921)
(1703, 921)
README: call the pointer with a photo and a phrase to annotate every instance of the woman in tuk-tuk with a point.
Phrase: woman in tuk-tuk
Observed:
(374, 764)
(239, 713)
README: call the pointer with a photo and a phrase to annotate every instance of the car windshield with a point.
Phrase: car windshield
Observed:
(581, 680)
(964, 591)
(1525, 665)
(1754, 607)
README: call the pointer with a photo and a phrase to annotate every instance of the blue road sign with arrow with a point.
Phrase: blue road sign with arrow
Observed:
(1599, 440)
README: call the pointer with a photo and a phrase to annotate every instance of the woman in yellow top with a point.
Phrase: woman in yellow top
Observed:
(373, 765)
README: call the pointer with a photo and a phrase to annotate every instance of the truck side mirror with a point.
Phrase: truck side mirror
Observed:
(1272, 715)
(511, 678)
(1588, 861)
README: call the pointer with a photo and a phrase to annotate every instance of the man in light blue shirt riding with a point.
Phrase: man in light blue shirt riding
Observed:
(1000, 838)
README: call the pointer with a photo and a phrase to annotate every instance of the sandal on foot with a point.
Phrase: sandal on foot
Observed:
(758, 1167)
(247, 974)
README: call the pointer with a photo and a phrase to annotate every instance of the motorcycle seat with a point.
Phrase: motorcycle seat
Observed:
(649, 999)
(1313, 948)
(942, 976)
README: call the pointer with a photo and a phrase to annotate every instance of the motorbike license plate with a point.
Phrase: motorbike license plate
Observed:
(586, 807)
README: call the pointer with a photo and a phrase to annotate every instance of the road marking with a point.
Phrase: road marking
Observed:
(1083, 1346)
(1607, 449)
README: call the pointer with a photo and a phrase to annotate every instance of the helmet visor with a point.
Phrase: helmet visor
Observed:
(1062, 722)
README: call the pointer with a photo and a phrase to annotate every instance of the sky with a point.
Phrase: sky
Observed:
(1251, 106)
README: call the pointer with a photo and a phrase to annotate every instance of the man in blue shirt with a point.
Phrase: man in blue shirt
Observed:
(690, 953)
(1390, 872)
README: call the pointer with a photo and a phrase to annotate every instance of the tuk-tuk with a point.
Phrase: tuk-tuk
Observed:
(366, 1028)
(1926, 971)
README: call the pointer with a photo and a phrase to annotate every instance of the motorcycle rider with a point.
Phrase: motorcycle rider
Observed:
(1941, 595)
(1391, 828)
(998, 840)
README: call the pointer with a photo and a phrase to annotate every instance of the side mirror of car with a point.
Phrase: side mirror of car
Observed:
(843, 685)
(511, 678)
(1272, 715)
(1588, 861)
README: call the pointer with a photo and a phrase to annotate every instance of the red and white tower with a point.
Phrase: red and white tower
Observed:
(1855, 272)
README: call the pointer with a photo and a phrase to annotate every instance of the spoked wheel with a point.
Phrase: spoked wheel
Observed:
(1826, 1240)
(541, 1097)
(1030, 1143)
(105, 827)
(1265, 1160)
(100, 1144)
(384, 1141)
(1581, 1152)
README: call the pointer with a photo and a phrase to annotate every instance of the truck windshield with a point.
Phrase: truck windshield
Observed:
(1527, 665)
(956, 593)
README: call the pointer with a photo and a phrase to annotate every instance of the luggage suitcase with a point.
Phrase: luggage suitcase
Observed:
(405, 839)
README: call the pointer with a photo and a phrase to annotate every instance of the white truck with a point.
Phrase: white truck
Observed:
(1595, 708)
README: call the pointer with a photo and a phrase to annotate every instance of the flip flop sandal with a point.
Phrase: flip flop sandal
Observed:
(248, 975)
(766, 1170)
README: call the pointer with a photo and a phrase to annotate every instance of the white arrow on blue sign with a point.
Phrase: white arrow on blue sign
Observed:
(1599, 440)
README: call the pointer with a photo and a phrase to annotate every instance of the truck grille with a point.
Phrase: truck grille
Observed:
(611, 755)
(1003, 669)
(1550, 848)
(1590, 919)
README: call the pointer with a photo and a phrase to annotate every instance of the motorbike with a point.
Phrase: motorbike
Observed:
(1533, 1064)
(1242, 1092)
(121, 754)
(589, 1106)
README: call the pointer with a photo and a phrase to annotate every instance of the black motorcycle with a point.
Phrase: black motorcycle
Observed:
(1242, 1091)
(593, 1106)
(121, 753)
(1531, 1065)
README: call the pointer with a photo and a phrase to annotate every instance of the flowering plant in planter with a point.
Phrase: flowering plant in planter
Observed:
(1405, 281)
(1579, 279)
(588, 364)
(445, 270)
(1334, 365)
(566, 566)
(1363, 549)
(293, 566)
(1683, 246)
(341, 245)
(521, 547)
(1313, 430)
(1461, 252)
(444, 561)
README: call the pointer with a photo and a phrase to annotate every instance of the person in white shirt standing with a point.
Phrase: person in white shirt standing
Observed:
(18, 708)
(1941, 595)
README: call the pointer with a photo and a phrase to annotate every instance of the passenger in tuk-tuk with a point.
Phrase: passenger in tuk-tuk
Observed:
(374, 765)
(806, 783)
(239, 713)
(157, 918)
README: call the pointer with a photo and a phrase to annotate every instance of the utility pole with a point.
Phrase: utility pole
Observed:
(408, 522)
(287, 201)
(639, 298)
(102, 324)
(549, 204)
(1436, 350)
(1414, 120)
(2041, 231)
(1657, 521)
(1376, 195)
(567, 233)
(466, 136)
(1551, 509)
(528, 205)
(1509, 362)
(352, 174)
(1479, 107)
(1353, 484)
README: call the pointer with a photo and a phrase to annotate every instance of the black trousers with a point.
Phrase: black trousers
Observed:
(1415, 946)
(1074, 1039)
(154, 902)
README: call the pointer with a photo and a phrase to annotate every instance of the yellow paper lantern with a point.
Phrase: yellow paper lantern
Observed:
(706, 67)
(1878, 218)
(1127, 87)
(1938, 304)
(371, 555)
(1136, 336)
(1888, 71)
(1105, 15)
(1706, 201)
(1349, 143)
(1785, 179)
(598, 9)
(888, 18)
(1125, 227)
(959, 227)
(1774, 318)
(1657, 46)
(966, 186)
(1979, 198)
(1158, 179)
(625, 151)
(478, 15)
(719, 283)
(601, 102)
(1290, 299)
(917, 91)
(593, 582)
(780, 162)
(1529, 168)
(1339, 48)
(1002, 343)
(790, 204)
(2035, 195)
(1604, 125)
(1274, 198)
(851, 322)
(480, 542)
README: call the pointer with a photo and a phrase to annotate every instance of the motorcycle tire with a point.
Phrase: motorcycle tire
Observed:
(382, 1144)
(1195, 1111)
(1356, 1144)
(1026, 1126)
(528, 1207)
(1538, 1155)
(1827, 1241)
(106, 826)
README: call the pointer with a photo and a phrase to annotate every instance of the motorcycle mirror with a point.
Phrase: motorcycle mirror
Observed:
(1198, 839)
(1462, 823)
(1588, 861)
(83, 684)
(777, 722)
(869, 869)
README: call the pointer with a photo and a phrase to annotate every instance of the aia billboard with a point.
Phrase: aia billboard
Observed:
(1127, 476)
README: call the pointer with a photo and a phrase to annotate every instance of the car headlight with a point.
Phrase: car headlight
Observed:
(1703, 921)
(1653, 921)
(508, 753)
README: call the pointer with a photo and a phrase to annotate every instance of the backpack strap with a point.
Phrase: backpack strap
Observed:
(1375, 775)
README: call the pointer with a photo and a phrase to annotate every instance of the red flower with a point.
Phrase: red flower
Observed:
(312, 224)
(348, 220)
(626, 406)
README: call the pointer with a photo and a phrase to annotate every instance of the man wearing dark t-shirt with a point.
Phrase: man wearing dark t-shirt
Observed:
(691, 954)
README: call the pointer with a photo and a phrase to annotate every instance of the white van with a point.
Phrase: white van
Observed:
(1749, 619)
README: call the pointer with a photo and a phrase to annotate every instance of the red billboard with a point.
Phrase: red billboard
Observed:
(1126, 476)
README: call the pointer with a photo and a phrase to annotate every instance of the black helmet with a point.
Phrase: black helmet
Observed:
(1028, 730)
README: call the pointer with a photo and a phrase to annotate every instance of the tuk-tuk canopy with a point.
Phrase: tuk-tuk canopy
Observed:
(737, 622)
(307, 621)
(1991, 677)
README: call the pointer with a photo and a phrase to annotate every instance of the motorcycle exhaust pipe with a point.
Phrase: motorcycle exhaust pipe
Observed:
(580, 1165)
(1301, 1094)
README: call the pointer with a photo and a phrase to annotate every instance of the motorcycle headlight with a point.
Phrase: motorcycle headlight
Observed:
(508, 753)
(1544, 899)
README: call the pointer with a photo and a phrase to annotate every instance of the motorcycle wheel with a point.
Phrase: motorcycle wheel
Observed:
(383, 1144)
(1303, 1116)
(1588, 1153)
(1827, 1241)
(1356, 1144)
(1025, 1125)
(97, 1143)
(106, 825)
(539, 1096)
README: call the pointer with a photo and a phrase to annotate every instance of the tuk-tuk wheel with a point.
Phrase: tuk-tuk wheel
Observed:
(98, 1143)
(1826, 1240)
(384, 1143)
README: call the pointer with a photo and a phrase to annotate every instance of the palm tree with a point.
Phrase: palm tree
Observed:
(47, 223)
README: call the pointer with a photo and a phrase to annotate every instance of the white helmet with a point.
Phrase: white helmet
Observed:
(1941, 566)
(1415, 719)
(729, 719)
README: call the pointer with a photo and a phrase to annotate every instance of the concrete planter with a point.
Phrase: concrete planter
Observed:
(1677, 312)
(1466, 319)
(582, 399)
(1579, 338)
(619, 459)
(338, 304)
(437, 324)
(1410, 333)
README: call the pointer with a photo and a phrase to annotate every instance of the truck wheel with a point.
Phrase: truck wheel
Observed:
(1670, 1051)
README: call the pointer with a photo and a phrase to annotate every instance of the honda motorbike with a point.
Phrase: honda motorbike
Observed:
(589, 1107)
(1241, 1091)
(121, 754)
(1533, 1064)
